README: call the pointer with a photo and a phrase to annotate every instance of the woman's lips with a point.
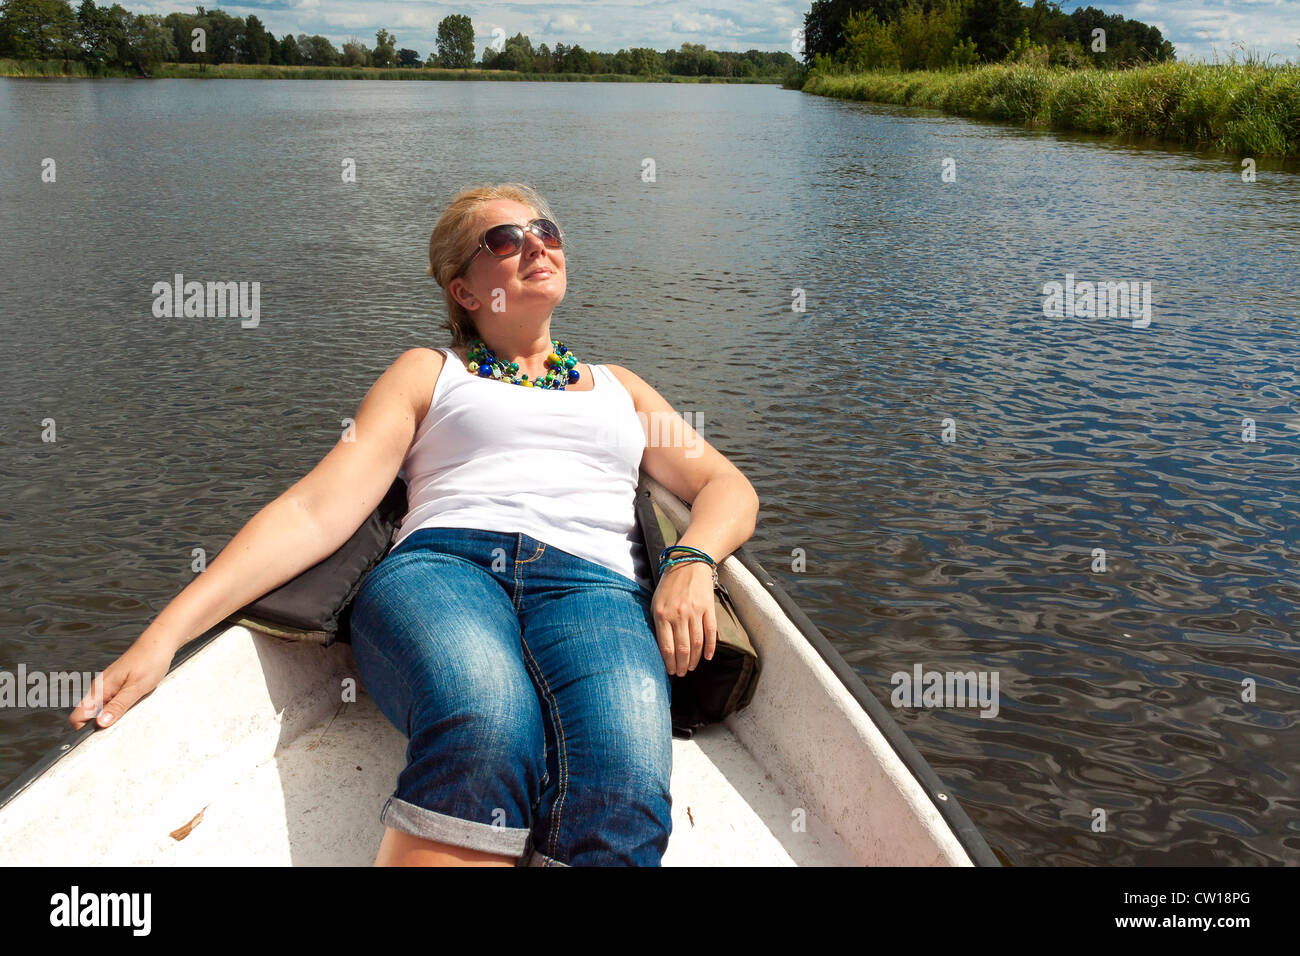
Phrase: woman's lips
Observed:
(539, 274)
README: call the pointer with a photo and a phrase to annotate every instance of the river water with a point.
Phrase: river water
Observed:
(938, 459)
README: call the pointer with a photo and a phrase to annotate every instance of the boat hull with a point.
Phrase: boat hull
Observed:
(277, 745)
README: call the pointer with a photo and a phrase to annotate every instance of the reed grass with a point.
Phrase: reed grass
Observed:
(10, 67)
(1247, 108)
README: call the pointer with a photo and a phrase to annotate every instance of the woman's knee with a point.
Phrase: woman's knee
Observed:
(480, 752)
(488, 717)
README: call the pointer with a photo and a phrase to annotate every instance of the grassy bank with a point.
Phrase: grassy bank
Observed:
(47, 68)
(253, 71)
(1246, 109)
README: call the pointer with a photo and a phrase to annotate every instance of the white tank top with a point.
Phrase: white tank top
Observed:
(558, 465)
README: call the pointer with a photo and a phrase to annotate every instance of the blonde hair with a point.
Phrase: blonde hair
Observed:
(456, 236)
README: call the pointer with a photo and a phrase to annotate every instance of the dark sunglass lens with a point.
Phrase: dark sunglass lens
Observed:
(550, 233)
(504, 240)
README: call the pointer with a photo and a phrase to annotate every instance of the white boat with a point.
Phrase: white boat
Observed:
(244, 755)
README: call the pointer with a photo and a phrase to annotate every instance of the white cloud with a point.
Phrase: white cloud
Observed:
(426, 20)
(703, 23)
(567, 23)
(352, 20)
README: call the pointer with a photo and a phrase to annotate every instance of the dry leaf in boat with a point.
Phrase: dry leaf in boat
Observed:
(183, 832)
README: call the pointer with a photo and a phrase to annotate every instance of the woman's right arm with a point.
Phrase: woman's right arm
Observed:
(297, 530)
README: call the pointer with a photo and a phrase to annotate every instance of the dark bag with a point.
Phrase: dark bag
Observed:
(317, 605)
(719, 686)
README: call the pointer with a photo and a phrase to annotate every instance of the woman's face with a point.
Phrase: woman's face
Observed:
(532, 281)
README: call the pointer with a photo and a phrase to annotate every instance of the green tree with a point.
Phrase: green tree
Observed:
(385, 51)
(824, 23)
(575, 60)
(150, 43)
(289, 50)
(869, 44)
(224, 36)
(407, 57)
(456, 42)
(99, 39)
(38, 30)
(1025, 50)
(994, 25)
(355, 53)
(119, 25)
(644, 61)
(516, 54)
(316, 50)
(926, 38)
(544, 60)
(965, 53)
(687, 60)
(257, 41)
(183, 26)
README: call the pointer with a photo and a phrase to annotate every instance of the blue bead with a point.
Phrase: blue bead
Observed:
(574, 375)
(485, 370)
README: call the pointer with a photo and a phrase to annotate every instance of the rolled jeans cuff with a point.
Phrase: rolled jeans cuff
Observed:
(442, 828)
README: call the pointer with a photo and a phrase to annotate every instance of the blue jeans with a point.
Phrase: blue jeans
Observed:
(530, 686)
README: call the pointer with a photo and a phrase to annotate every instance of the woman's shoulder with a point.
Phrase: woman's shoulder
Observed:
(420, 367)
(636, 386)
(423, 354)
(619, 372)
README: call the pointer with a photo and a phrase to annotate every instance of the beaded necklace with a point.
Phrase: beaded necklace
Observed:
(560, 365)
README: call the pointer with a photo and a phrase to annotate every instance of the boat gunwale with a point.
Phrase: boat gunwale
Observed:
(961, 825)
(84, 733)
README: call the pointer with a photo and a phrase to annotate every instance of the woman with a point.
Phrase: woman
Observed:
(510, 633)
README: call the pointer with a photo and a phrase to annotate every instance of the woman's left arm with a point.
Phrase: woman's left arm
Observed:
(724, 513)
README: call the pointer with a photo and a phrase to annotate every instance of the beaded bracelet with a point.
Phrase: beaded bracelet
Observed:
(672, 563)
(688, 549)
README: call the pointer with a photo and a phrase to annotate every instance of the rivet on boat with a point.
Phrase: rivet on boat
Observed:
(943, 796)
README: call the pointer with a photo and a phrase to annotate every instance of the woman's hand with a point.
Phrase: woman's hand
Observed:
(138, 671)
(684, 615)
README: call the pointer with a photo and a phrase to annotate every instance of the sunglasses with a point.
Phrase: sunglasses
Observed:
(505, 240)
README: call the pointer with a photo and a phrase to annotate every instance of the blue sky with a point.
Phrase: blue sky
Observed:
(1196, 27)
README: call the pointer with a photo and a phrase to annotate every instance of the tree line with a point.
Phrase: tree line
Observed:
(936, 34)
(112, 38)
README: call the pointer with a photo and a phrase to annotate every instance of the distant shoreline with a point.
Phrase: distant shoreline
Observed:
(256, 71)
(1248, 109)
